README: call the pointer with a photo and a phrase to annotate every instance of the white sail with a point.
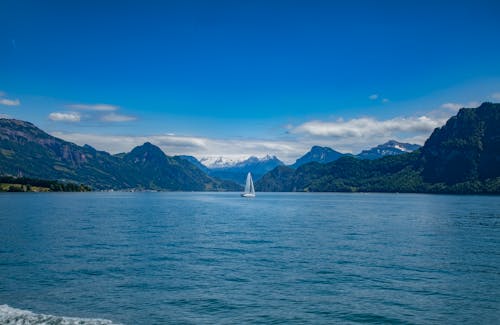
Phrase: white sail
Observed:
(249, 188)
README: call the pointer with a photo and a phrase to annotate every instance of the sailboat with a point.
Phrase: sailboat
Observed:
(249, 189)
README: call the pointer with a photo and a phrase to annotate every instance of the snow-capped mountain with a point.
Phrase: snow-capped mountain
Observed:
(214, 162)
(236, 168)
(390, 148)
(259, 163)
(218, 162)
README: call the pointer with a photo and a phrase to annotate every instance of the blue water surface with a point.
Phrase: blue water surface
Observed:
(205, 258)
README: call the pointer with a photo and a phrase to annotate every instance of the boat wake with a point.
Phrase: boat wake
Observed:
(14, 316)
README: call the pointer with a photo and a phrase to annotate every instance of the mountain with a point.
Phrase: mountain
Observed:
(257, 166)
(215, 162)
(318, 154)
(195, 162)
(466, 148)
(118, 155)
(347, 174)
(159, 171)
(280, 179)
(236, 171)
(27, 150)
(325, 155)
(390, 148)
(461, 157)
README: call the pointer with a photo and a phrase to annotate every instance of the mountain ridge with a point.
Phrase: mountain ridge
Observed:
(27, 149)
(460, 157)
(389, 148)
(236, 171)
(318, 154)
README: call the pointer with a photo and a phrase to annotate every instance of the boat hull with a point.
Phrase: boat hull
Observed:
(247, 195)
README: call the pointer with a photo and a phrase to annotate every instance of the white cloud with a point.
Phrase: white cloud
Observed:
(287, 150)
(496, 96)
(65, 117)
(367, 127)
(113, 117)
(348, 136)
(473, 104)
(418, 139)
(4, 115)
(94, 107)
(102, 112)
(456, 106)
(452, 106)
(237, 149)
(10, 102)
(376, 97)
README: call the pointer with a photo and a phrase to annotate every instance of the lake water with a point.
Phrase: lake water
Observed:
(204, 258)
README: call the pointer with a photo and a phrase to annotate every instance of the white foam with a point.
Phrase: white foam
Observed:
(14, 316)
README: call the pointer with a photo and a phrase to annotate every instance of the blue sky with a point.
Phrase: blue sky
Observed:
(240, 78)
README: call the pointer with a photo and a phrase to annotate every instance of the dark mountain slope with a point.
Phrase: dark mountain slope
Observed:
(466, 148)
(195, 162)
(27, 150)
(318, 154)
(173, 173)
